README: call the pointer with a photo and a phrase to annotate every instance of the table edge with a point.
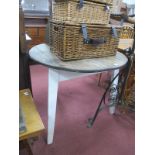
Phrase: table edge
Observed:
(79, 71)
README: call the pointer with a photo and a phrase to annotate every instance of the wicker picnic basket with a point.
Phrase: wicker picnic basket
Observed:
(127, 31)
(91, 13)
(95, 1)
(71, 42)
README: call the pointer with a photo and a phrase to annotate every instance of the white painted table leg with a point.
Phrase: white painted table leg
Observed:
(54, 76)
(115, 83)
(53, 80)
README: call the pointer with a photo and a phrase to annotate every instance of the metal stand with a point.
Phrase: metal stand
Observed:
(115, 93)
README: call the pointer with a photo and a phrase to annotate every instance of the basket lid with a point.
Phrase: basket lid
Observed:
(106, 2)
(88, 25)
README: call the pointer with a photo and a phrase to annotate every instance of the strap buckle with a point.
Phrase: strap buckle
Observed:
(106, 8)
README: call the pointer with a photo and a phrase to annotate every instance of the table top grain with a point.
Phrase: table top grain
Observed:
(42, 54)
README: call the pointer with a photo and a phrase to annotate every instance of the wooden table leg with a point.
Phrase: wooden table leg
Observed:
(113, 94)
(53, 80)
(54, 76)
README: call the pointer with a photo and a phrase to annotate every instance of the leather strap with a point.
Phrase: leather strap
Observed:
(114, 32)
(80, 4)
(87, 40)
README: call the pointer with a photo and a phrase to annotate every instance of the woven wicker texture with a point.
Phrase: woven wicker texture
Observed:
(91, 13)
(127, 31)
(67, 41)
(96, 1)
(130, 99)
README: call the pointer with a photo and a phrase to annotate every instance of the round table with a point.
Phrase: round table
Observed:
(65, 70)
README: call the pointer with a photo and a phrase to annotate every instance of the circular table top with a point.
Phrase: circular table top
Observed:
(42, 54)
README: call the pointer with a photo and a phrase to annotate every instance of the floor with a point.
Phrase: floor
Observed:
(77, 101)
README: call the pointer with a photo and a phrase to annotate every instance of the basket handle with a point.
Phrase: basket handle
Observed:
(87, 40)
(97, 41)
